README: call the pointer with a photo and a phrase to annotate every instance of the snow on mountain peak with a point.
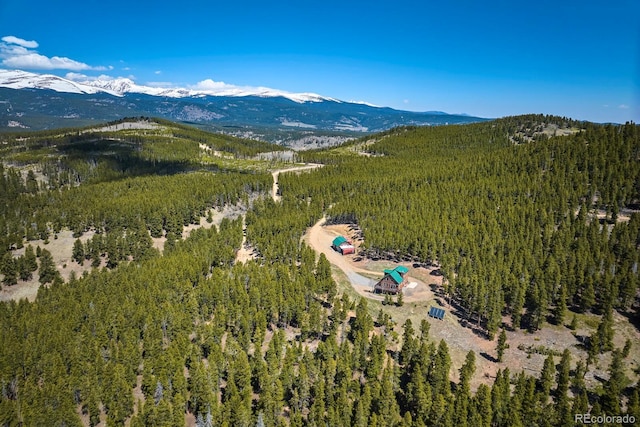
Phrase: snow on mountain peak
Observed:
(120, 85)
(17, 79)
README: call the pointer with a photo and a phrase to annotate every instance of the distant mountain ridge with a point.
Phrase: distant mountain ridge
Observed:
(42, 101)
(17, 79)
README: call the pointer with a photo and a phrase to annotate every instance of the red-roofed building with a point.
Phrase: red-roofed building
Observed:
(343, 245)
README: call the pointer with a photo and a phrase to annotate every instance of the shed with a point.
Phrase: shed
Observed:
(338, 241)
(343, 245)
(393, 280)
(436, 312)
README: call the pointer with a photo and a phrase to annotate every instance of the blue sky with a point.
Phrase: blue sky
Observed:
(579, 59)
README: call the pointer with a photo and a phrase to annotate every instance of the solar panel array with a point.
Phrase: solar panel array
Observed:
(438, 313)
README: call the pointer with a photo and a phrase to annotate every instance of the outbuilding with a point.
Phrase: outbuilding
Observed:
(343, 245)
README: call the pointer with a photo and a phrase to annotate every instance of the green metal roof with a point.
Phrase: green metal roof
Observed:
(339, 240)
(394, 275)
(401, 269)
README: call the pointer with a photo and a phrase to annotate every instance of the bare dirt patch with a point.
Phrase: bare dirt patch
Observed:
(61, 249)
(246, 252)
(217, 215)
(139, 125)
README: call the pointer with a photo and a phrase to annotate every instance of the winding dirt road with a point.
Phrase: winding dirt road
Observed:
(319, 239)
(276, 174)
(245, 253)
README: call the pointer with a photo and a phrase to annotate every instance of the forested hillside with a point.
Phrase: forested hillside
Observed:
(529, 228)
(526, 229)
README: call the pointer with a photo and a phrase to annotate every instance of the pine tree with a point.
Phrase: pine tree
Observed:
(626, 349)
(23, 270)
(563, 371)
(633, 407)
(47, 267)
(588, 296)
(561, 307)
(614, 386)
(399, 299)
(439, 371)
(463, 393)
(574, 323)
(605, 330)
(562, 407)
(425, 327)
(78, 252)
(546, 379)
(30, 259)
(9, 269)
(388, 405)
(409, 343)
(482, 403)
(502, 344)
(323, 277)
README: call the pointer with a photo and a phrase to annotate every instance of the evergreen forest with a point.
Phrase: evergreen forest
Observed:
(530, 228)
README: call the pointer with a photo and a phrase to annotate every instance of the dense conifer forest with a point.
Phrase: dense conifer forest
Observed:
(527, 227)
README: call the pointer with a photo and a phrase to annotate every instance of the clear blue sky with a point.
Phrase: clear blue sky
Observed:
(573, 58)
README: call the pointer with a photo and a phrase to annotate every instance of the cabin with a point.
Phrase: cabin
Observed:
(343, 245)
(437, 313)
(393, 281)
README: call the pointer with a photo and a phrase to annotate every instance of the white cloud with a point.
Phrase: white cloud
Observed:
(18, 53)
(82, 78)
(76, 76)
(31, 44)
(209, 84)
(79, 77)
(41, 62)
(623, 107)
(158, 72)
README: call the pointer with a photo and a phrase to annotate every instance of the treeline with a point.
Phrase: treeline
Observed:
(513, 227)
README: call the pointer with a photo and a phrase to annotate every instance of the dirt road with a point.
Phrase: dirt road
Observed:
(319, 239)
(276, 174)
(246, 252)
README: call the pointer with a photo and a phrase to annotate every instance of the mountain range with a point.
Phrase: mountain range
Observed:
(44, 101)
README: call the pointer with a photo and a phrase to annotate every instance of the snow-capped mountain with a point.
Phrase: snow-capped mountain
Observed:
(44, 101)
(16, 79)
